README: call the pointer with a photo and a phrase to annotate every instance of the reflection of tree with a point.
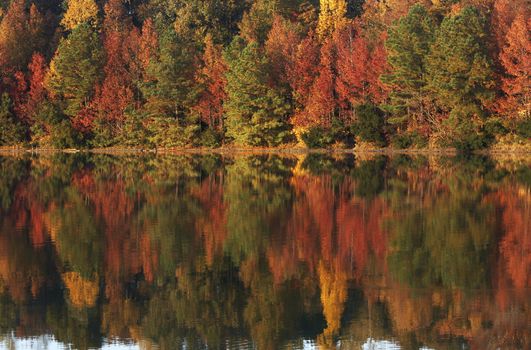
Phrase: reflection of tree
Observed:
(257, 197)
(446, 243)
(210, 251)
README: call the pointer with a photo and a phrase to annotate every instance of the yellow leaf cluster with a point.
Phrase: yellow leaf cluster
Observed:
(80, 11)
(333, 296)
(332, 14)
(83, 293)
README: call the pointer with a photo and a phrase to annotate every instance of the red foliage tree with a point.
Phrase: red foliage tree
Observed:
(322, 102)
(516, 60)
(359, 66)
(37, 92)
(281, 46)
(301, 74)
(211, 79)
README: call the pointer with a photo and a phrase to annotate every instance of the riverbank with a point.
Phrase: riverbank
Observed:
(246, 150)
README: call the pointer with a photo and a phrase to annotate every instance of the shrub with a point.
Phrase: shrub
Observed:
(524, 128)
(409, 140)
(320, 137)
(371, 124)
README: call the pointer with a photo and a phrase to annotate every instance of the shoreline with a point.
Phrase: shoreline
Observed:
(260, 150)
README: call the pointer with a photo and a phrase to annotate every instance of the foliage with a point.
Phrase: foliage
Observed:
(11, 130)
(246, 73)
(256, 113)
(332, 15)
(79, 12)
(408, 44)
(76, 68)
(459, 68)
(370, 124)
(319, 137)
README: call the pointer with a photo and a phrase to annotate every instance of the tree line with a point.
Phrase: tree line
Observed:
(264, 73)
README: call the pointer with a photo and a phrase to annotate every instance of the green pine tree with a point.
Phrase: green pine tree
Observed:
(408, 46)
(256, 114)
(76, 68)
(460, 72)
(168, 90)
(11, 131)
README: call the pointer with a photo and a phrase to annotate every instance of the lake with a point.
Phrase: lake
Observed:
(264, 251)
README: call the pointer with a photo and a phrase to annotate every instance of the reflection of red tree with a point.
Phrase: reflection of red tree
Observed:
(328, 223)
(211, 226)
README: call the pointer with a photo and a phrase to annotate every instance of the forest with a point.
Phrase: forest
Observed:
(265, 73)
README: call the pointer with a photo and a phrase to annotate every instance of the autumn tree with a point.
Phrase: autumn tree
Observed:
(37, 91)
(359, 66)
(332, 15)
(516, 60)
(21, 33)
(211, 80)
(115, 94)
(301, 73)
(322, 101)
(256, 112)
(280, 47)
(75, 69)
(256, 23)
(408, 45)
(79, 12)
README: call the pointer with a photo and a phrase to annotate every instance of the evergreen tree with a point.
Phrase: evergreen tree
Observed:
(408, 46)
(11, 131)
(76, 68)
(459, 68)
(256, 113)
(170, 76)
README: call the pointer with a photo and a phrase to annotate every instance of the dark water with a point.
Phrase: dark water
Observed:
(264, 251)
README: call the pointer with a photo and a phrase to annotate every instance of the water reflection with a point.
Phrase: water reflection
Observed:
(264, 251)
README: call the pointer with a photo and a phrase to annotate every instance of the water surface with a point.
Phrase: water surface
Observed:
(264, 252)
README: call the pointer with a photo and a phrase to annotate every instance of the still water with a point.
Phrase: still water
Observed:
(264, 252)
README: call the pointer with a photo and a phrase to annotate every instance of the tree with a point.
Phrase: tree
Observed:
(359, 67)
(280, 47)
(459, 68)
(75, 69)
(504, 13)
(37, 91)
(169, 76)
(256, 113)
(11, 130)
(332, 15)
(21, 33)
(301, 74)
(408, 46)
(211, 80)
(516, 60)
(79, 12)
(115, 94)
(322, 102)
(256, 23)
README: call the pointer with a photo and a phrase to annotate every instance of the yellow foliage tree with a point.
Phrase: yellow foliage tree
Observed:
(80, 11)
(332, 14)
